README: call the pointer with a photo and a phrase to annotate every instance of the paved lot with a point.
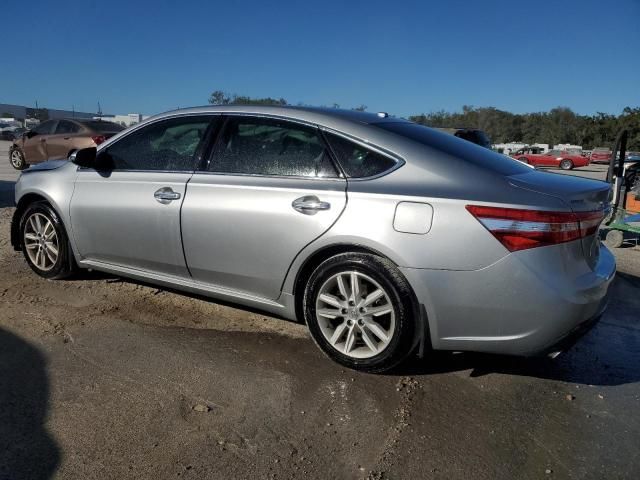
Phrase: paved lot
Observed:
(104, 378)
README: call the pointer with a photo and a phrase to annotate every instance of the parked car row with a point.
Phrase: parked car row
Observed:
(58, 139)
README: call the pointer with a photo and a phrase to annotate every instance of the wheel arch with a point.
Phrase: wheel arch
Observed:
(312, 261)
(26, 200)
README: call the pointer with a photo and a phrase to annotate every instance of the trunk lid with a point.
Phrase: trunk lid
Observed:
(579, 194)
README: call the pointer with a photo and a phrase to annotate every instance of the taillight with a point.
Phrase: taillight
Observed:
(520, 229)
(98, 139)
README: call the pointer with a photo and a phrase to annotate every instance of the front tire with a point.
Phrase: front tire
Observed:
(566, 164)
(16, 158)
(361, 311)
(44, 242)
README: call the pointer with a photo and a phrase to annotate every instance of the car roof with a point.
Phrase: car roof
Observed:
(319, 115)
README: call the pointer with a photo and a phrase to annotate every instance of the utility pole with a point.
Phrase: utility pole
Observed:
(99, 110)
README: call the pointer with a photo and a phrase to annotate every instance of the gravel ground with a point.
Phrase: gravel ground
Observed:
(106, 378)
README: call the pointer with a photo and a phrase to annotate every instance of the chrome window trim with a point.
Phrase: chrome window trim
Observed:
(125, 133)
(398, 160)
(86, 169)
(259, 175)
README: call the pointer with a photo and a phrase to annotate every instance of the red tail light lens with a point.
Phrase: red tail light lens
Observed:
(520, 229)
(98, 139)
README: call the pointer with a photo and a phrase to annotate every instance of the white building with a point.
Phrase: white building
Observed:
(511, 147)
(568, 146)
(508, 148)
(124, 120)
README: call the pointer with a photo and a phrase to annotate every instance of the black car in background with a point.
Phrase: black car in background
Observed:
(11, 135)
(474, 135)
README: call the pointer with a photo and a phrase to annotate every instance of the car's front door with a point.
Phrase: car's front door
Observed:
(130, 215)
(35, 144)
(269, 189)
(59, 143)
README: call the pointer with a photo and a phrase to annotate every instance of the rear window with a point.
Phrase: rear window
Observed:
(450, 145)
(102, 127)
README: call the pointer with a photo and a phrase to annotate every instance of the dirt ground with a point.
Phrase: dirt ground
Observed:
(105, 378)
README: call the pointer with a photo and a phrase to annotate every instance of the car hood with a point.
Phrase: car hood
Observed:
(49, 165)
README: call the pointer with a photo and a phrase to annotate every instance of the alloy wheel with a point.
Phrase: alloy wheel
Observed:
(41, 241)
(355, 314)
(16, 159)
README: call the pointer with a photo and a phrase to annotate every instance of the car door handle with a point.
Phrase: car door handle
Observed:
(310, 205)
(166, 195)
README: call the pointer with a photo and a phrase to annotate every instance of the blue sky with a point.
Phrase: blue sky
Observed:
(403, 57)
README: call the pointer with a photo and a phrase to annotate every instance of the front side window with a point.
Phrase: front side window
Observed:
(44, 128)
(358, 161)
(65, 126)
(166, 145)
(262, 146)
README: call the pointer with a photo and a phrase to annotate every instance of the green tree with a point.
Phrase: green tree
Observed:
(559, 125)
(218, 97)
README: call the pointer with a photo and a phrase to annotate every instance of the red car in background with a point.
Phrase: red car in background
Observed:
(554, 158)
(600, 155)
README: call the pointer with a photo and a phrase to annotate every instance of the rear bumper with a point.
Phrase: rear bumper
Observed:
(570, 339)
(525, 304)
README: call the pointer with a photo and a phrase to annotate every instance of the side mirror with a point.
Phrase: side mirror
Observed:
(89, 158)
(85, 157)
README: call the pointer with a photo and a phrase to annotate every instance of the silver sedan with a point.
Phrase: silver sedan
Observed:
(384, 236)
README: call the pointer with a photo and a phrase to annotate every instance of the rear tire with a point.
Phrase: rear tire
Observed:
(614, 239)
(566, 164)
(16, 158)
(44, 242)
(371, 330)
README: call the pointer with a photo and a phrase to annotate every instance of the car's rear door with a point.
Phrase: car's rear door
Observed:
(130, 215)
(268, 190)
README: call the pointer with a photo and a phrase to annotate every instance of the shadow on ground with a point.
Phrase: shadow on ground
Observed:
(26, 449)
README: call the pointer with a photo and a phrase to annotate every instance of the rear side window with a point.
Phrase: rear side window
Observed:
(358, 161)
(65, 126)
(102, 127)
(263, 146)
(167, 145)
